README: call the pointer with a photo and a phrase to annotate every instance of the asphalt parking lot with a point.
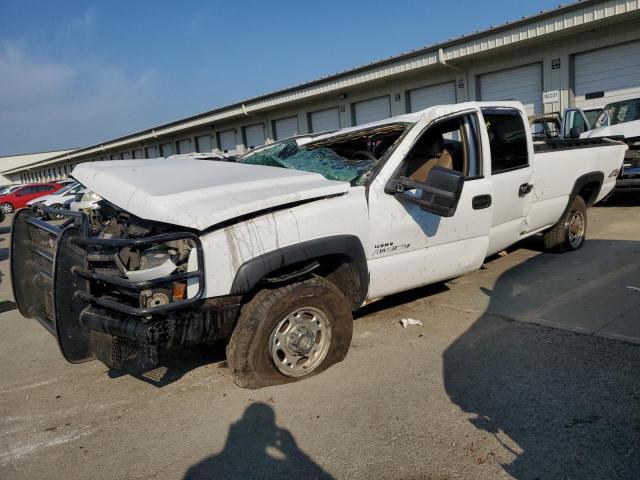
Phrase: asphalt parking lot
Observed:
(485, 389)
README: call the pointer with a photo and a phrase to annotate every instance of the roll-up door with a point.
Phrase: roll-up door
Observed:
(227, 141)
(184, 146)
(523, 84)
(607, 75)
(203, 143)
(371, 110)
(324, 120)
(285, 127)
(426, 97)
(254, 135)
(166, 149)
(151, 152)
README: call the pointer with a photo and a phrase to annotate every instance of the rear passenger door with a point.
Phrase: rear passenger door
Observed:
(511, 175)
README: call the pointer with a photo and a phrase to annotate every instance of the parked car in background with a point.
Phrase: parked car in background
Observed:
(576, 121)
(622, 120)
(9, 189)
(19, 197)
(56, 200)
(85, 200)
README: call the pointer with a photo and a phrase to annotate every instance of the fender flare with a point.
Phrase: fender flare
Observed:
(578, 185)
(255, 269)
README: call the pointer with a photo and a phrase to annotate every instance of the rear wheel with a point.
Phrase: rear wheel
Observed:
(6, 207)
(289, 333)
(570, 233)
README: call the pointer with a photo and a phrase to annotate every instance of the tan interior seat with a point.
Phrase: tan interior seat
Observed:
(426, 154)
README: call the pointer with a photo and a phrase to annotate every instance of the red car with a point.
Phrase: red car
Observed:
(20, 196)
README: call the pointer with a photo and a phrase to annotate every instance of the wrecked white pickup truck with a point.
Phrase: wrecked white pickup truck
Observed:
(274, 252)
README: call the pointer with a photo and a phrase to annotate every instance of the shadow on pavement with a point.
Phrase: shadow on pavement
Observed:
(566, 405)
(175, 365)
(257, 448)
(621, 199)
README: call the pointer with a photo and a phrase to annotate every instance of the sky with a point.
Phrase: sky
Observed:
(77, 72)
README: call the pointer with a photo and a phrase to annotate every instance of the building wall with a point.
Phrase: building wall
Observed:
(464, 71)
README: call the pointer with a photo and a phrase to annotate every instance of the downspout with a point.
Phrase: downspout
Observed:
(263, 120)
(442, 61)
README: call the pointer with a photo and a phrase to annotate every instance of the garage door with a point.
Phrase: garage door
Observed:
(285, 128)
(426, 97)
(523, 84)
(607, 75)
(254, 135)
(324, 120)
(371, 110)
(184, 146)
(227, 141)
(203, 143)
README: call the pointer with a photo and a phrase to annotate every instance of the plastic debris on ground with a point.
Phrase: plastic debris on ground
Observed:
(410, 321)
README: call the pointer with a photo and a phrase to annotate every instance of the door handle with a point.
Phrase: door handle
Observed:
(524, 189)
(481, 201)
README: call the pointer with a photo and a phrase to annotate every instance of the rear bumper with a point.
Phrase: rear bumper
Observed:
(57, 280)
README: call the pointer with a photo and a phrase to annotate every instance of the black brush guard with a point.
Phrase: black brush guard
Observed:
(52, 279)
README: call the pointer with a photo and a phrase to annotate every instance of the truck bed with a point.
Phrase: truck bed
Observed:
(552, 145)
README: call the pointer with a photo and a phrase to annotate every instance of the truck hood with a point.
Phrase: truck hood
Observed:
(200, 193)
(627, 130)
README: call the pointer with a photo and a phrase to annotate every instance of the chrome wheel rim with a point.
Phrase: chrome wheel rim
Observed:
(300, 341)
(5, 207)
(575, 229)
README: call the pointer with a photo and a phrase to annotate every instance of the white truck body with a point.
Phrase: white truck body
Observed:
(420, 247)
(277, 258)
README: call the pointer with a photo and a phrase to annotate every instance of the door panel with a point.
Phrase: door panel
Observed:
(410, 247)
(510, 151)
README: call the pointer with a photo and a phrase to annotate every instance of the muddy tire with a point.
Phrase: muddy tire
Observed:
(570, 232)
(290, 333)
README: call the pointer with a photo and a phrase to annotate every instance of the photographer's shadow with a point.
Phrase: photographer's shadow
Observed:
(257, 448)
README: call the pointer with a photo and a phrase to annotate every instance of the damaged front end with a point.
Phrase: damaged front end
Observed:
(114, 287)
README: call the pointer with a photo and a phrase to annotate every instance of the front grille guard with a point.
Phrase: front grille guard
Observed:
(51, 279)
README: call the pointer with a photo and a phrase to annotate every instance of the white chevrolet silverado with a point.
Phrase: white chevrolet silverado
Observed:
(272, 253)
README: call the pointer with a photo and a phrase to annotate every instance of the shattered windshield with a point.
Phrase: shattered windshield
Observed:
(349, 157)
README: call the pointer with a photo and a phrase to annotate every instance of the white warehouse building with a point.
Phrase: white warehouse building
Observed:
(582, 54)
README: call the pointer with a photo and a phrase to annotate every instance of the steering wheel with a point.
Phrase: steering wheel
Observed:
(363, 155)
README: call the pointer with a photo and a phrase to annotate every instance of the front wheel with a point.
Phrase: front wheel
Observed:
(570, 233)
(6, 207)
(289, 333)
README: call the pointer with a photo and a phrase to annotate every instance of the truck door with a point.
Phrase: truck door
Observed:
(409, 246)
(511, 175)
(574, 123)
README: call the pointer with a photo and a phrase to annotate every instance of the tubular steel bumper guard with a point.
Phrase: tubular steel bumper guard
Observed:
(52, 275)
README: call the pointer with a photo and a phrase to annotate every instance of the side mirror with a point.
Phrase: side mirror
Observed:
(575, 132)
(440, 194)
